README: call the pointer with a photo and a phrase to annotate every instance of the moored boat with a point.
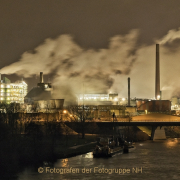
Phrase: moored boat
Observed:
(107, 147)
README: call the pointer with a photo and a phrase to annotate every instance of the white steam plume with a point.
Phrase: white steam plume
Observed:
(105, 70)
(74, 65)
(171, 36)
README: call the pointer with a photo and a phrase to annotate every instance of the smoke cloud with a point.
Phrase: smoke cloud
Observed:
(79, 70)
(142, 73)
(75, 66)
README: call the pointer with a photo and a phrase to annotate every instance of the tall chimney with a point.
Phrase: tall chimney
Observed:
(157, 78)
(41, 77)
(128, 91)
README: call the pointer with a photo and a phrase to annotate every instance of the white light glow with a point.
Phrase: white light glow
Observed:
(158, 97)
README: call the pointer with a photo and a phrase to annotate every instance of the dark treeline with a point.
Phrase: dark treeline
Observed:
(23, 141)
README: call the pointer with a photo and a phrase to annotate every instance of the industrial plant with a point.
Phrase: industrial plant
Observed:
(12, 92)
(106, 104)
(40, 98)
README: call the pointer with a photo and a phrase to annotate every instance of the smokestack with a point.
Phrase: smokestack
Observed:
(157, 78)
(128, 91)
(41, 77)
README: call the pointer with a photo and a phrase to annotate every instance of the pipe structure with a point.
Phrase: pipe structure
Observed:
(128, 91)
(157, 78)
(41, 77)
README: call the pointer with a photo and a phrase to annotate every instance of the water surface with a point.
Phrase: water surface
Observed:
(150, 160)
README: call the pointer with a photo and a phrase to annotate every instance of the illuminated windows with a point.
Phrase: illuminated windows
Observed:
(13, 92)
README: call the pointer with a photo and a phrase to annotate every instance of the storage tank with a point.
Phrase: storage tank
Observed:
(59, 103)
(52, 104)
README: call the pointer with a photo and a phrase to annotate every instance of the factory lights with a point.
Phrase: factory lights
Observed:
(115, 99)
(13, 92)
(158, 97)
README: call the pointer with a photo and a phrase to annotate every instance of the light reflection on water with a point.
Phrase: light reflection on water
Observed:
(158, 160)
(172, 142)
(64, 162)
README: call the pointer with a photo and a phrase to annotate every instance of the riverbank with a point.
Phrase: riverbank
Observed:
(21, 151)
(74, 150)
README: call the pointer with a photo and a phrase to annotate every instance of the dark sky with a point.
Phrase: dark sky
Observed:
(25, 24)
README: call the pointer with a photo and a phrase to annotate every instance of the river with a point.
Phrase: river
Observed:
(150, 160)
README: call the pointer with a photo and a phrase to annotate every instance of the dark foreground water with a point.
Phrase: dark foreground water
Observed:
(150, 160)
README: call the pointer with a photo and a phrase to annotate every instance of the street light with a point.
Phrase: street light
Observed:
(61, 113)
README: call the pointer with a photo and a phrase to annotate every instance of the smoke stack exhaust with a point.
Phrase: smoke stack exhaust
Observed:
(157, 79)
(41, 77)
(128, 91)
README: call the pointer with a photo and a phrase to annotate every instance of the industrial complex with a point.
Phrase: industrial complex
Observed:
(40, 98)
(12, 92)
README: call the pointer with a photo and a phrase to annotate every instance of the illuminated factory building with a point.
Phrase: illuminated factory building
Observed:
(12, 92)
(97, 99)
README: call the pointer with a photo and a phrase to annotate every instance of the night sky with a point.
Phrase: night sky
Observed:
(98, 42)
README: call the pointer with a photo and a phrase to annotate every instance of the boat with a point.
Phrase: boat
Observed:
(107, 147)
